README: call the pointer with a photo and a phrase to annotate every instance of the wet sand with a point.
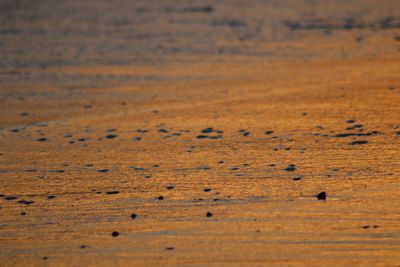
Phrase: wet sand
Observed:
(174, 133)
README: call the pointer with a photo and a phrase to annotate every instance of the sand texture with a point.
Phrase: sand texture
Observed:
(199, 133)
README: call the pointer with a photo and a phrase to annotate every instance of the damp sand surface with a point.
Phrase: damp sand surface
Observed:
(200, 133)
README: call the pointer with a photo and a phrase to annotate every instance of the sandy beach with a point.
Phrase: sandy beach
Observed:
(200, 133)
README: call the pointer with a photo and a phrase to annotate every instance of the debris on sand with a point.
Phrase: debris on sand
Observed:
(114, 234)
(359, 142)
(322, 196)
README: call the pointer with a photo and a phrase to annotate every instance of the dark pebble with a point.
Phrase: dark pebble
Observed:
(215, 137)
(359, 142)
(10, 197)
(207, 130)
(111, 136)
(290, 168)
(209, 214)
(112, 192)
(321, 196)
(25, 202)
(115, 234)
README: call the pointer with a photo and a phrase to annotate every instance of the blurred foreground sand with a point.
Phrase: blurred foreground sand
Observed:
(103, 107)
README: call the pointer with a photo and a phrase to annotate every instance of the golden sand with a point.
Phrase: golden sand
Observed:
(182, 134)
